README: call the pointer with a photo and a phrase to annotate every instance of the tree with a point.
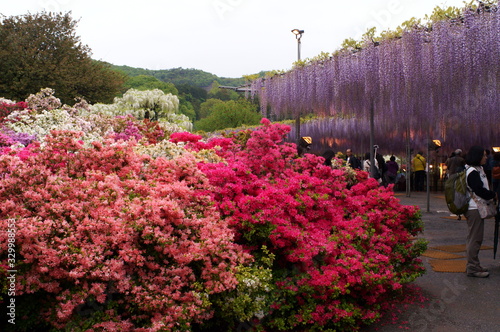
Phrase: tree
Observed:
(192, 97)
(42, 51)
(207, 107)
(145, 82)
(222, 94)
(230, 114)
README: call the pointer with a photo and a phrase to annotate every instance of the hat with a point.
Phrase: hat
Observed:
(307, 139)
(458, 151)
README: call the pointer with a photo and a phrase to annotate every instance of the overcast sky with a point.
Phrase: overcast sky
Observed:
(228, 38)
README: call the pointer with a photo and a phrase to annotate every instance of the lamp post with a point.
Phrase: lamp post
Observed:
(434, 144)
(298, 35)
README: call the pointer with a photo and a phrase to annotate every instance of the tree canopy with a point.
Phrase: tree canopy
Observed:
(230, 114)
(178, 76)
(146, 82)
(43, 51)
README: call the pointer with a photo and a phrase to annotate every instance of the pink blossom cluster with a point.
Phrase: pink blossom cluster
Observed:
(194, 143)
(128, 127)
(22, 153)
(130, 132)
(6, 140)
(9, 137)
(342, 252)
(111, 240)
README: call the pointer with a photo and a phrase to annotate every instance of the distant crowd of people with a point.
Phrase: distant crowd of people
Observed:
(385, 172)
(389, 171)
(482, 178)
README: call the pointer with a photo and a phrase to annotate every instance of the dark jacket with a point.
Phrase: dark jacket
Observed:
(353, 162)
(476, 185)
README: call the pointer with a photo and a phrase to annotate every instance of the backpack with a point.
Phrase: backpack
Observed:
(455, 193)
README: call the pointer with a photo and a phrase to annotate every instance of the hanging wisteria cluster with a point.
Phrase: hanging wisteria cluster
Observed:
(339, 134)
(441, 82)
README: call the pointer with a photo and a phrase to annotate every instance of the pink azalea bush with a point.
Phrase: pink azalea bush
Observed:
(344, 246)
(109, 240)
(128, 127)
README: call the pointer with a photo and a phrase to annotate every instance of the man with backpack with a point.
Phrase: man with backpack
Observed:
(455, 164)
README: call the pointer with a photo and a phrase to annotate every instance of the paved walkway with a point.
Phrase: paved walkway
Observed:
(457, 303)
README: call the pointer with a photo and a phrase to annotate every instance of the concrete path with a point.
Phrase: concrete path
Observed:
(457, 303)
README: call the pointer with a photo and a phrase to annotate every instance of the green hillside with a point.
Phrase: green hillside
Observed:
(178, 76)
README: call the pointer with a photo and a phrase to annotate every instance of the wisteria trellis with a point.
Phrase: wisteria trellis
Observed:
(440, 82)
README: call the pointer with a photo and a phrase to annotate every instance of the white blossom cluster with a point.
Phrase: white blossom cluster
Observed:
(171, 150)
(6, 101)
(43, 100)
(42, 123)
(146, 104)
(164, 149)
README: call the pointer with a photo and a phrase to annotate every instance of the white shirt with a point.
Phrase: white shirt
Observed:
(472, 203)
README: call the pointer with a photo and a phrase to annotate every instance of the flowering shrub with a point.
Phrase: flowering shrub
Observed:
(9, 137)
(149, 104)
(41, 123)
(6, 140)
(107, 239)
(43, 100)
(43, 113)
(342, 252)
(219, 145)
(8, 106)
(196, 235)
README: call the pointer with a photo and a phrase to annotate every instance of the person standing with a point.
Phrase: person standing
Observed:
(351, 160)
(328, 155)
(419, 164)
(367, 168)
(392, 170)
(455, 163)
(477, 184)
(495, 172)
(382, 167)
(488, 165)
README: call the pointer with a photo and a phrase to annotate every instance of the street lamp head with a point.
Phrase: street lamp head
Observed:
(298, 33)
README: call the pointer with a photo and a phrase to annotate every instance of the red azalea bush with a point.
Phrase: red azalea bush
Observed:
(7, 107)
(344, 246)
(108, 240)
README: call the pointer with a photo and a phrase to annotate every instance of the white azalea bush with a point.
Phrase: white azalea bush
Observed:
(170, 150)
(43, 100)
(149, 104)
(41, 124)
